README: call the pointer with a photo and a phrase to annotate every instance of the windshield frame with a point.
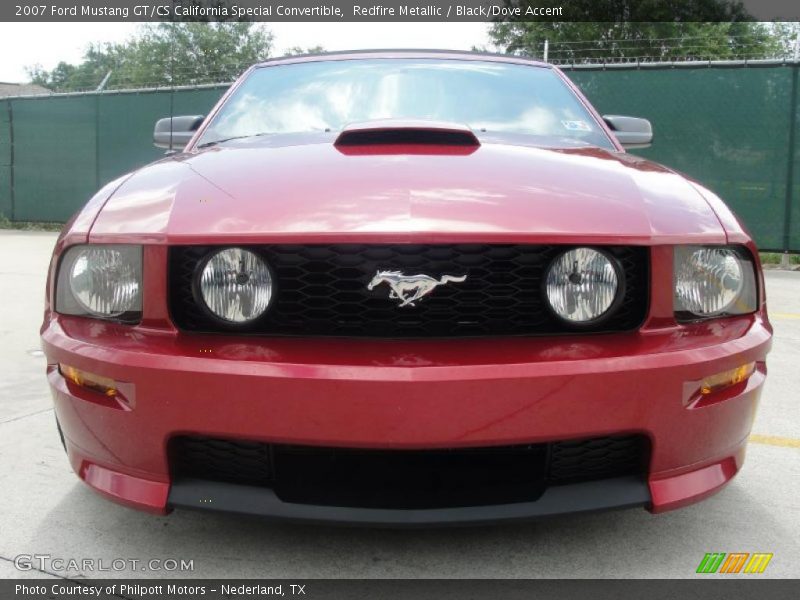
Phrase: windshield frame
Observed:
(194, 144)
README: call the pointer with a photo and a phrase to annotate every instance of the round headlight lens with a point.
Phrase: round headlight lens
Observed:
(707, 280)
(105, 281)
(236, 285)
(581, 285)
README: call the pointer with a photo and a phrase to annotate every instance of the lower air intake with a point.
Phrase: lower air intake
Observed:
(407, 479)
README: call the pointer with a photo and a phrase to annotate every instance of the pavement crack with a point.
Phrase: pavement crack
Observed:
(19, 418)
(13, 562)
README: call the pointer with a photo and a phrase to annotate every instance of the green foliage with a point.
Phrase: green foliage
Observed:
(646, 30)
(6, 223)
(164, 54)
(295, 50)
(585, 42)
(775, 258)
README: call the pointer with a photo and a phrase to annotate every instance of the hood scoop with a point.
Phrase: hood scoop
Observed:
(393, 132)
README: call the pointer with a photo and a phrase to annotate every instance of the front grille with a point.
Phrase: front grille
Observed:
(321, 290)
(407, 479)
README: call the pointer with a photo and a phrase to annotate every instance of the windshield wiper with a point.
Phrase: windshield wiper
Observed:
(228, 139)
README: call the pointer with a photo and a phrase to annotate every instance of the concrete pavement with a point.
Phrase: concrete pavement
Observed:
(46, 510)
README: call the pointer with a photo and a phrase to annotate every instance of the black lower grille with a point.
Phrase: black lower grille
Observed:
(407, 479)
(232, 461)
(596, 458)
(322, 290)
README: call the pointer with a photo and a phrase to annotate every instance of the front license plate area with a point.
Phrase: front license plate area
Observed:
(410, 479)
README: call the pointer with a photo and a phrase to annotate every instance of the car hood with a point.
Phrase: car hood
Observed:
(296, 189)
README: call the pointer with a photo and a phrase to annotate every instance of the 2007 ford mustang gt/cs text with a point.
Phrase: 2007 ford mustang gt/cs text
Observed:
(405, 288)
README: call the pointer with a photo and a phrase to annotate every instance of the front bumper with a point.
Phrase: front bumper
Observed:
(406, 394)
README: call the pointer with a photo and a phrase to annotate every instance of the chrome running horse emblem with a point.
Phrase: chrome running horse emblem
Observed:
(410, 288)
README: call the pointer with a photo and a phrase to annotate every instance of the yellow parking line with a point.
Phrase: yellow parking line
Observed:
(774, 440)
(784, 316)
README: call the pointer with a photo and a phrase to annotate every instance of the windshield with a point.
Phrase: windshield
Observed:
(327, 95)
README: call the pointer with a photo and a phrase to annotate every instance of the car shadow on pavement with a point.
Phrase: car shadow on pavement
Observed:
(629, 543)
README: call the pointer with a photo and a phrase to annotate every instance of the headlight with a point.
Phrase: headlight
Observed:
(713, 281)
(101, 281)
(235, 285)
(582, 285)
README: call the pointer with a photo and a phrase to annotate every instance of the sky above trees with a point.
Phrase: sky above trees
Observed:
(168, 54)
(26, 44)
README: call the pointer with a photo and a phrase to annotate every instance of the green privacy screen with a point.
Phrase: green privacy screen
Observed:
(66, 147)
(734, 128)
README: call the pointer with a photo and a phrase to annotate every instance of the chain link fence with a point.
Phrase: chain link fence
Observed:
(733, 126)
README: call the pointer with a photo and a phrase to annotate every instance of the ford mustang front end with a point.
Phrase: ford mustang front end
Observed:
(405, 288)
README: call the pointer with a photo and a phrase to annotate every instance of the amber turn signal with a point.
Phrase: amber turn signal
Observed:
(98, 383)
(726, 378)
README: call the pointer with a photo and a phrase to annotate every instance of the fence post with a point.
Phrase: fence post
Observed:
(787, 220)
(797, 47)
(103, 83)
(12, 196)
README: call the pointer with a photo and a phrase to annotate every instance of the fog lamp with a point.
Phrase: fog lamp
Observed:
(98, 383)
(726, 378)
(236, 285)
(582, 284)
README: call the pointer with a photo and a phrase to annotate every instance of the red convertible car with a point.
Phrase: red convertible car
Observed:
(405, 288)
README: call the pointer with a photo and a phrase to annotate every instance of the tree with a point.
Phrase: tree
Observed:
(97, 62)
(788, 35)
(164, 54)
(644, 30)
(295, 50)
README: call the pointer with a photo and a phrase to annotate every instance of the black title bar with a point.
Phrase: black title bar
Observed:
(709, 588)
(400, 11)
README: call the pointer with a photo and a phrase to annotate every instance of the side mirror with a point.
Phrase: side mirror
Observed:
(631, 132)
(173, 133)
